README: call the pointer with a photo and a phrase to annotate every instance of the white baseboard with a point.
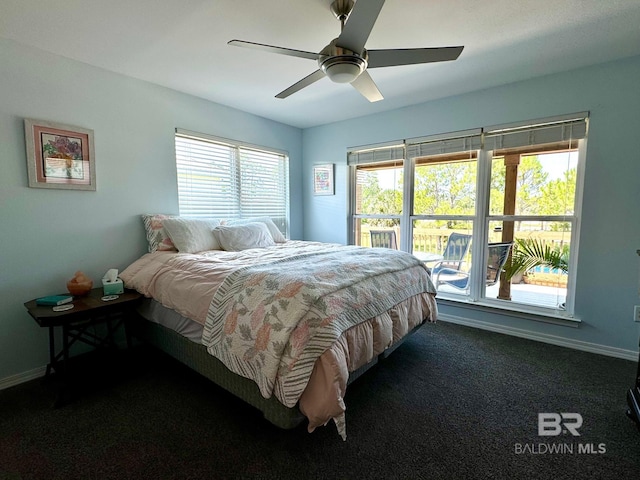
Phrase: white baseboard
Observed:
(543, 337)
(516, 332)
(22, 377)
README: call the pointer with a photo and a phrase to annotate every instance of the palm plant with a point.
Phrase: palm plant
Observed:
(529, 253)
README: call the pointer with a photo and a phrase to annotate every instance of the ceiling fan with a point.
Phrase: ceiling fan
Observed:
(345, 59)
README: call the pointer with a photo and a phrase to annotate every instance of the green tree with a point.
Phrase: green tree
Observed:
(529, 182)
(445, 189)
(558, 196)
(496, 191)
(449, 188)
(531, 179)
(378, 201)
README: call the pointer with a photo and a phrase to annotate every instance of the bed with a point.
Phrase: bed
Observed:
(284, 325)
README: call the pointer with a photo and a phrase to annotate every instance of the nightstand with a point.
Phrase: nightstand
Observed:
(80, 323)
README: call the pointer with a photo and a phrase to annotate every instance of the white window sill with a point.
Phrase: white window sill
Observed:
(556, 317)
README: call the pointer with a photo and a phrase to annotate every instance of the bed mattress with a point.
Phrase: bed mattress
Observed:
(327, 312)
(153, 311)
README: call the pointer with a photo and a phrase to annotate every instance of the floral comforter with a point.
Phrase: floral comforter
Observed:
(270, 313)
(274, 320)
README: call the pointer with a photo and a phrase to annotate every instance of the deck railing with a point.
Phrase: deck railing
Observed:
(433, 240)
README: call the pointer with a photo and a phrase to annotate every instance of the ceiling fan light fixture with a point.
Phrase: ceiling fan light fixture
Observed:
(343, 72)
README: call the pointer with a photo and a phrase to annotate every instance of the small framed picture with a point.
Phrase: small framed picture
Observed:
(323, 179)
(59, 156)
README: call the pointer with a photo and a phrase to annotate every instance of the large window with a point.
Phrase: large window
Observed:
(228, 180)
(378, 192)
(505, 199)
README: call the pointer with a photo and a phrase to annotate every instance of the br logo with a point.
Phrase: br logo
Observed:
(553, 424)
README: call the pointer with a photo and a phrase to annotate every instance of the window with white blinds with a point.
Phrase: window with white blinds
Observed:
(228, 180)
(515, 185)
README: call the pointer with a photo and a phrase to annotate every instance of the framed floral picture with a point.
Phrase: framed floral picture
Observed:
(59, 156)
(323, 179)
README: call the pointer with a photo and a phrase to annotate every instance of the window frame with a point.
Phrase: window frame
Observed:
(379, 154)
(236, 162)
(482, 217)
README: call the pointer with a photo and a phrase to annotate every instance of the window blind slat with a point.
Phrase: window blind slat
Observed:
(536, 134)
(229, 181)
(444, 146)
(377, 155)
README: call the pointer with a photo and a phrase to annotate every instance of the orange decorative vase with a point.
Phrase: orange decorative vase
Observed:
(79, 285)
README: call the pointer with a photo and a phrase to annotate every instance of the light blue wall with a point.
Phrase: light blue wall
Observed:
(46, 235)
(608, 270)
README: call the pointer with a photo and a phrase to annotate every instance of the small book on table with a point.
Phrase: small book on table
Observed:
(54, 300)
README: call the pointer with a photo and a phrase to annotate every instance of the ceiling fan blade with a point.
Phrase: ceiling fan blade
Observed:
(273, 49)
(411, 56)
(305, 82)
(359, 25)
(367, 87)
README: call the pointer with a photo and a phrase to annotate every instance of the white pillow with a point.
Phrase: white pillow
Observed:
(234, 238)
(191, 235)
(273, 230)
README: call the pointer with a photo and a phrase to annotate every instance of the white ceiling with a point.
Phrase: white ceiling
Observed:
(182, 44)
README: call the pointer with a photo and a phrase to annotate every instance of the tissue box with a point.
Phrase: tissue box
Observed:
(112, 288)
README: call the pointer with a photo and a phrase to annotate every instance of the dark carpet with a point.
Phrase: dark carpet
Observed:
(452, 402)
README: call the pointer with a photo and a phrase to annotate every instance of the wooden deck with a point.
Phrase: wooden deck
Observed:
(537, 295)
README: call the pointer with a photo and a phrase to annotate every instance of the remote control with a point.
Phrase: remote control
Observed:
(62, 308)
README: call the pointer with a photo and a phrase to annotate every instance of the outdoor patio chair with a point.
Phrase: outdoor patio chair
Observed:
(454, 252)
(496, 258)
(383, 239)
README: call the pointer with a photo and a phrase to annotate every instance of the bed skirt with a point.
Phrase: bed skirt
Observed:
(196, 357)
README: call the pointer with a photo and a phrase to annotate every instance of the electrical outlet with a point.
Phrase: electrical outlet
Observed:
(636, 313)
